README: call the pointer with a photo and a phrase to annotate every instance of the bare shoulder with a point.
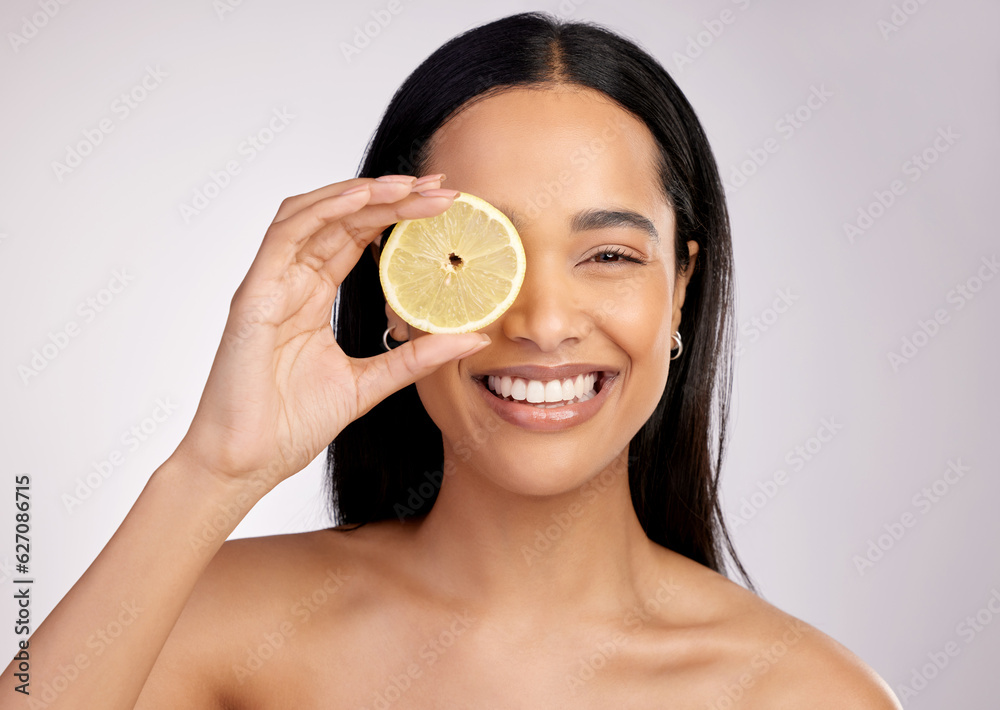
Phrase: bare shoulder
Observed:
(770, 659)
(249, 600)
(821, 673)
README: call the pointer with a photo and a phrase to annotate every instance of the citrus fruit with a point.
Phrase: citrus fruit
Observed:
(455, 272)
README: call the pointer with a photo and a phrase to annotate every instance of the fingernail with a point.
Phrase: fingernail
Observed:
(429, 178)
(356, 188)
(406, 179)
(483, 341)
(450, 194)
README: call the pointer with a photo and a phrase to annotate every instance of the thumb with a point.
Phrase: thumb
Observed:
(402, 366)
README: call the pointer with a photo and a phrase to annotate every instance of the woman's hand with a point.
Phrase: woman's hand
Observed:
(279, 391)
(280, 388)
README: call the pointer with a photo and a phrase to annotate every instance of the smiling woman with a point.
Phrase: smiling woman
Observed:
(585, 147)
(527, 515)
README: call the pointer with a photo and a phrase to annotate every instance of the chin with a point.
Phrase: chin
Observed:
(538, 472)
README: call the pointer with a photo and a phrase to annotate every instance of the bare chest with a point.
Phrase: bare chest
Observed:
(459, 662)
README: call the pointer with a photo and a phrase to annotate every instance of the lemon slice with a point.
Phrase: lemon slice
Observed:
(456, 272)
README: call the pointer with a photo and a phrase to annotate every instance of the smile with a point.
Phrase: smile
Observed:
(545, 394)
(547, 398)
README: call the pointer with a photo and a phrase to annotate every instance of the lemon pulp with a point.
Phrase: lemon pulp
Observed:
(455, 272)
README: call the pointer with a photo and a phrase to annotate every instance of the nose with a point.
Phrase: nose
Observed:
(549, 311)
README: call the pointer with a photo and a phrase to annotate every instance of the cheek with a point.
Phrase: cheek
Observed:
(640, 324)
(445, 396)
(642, 305)
(434, 391)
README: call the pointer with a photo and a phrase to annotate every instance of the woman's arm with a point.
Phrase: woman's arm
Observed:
(99, 644)
(279, 390)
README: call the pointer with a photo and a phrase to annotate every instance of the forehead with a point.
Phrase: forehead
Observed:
(547, 144)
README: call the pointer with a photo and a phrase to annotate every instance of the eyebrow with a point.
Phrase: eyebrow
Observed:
(602, 219)
(597, 219)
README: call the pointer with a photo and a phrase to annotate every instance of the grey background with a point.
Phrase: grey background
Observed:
(224, 68)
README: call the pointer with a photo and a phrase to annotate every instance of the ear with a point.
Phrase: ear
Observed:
(399, 330)
(680, 285)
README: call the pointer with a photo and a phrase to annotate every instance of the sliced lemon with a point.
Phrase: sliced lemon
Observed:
(456, 272)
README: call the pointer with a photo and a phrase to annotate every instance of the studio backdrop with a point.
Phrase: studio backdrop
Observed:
(147, 146)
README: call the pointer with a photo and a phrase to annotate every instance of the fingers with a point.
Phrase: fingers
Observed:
(346, 217)
(337, 247)
(322, 228)
(384, 374)
(296, 204)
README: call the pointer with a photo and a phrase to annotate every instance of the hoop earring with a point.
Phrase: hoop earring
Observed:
(386, 338)
(680, 346)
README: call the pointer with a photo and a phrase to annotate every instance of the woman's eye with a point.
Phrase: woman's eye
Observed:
(615, 255)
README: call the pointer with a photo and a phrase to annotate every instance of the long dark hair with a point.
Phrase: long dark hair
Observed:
(675, 459)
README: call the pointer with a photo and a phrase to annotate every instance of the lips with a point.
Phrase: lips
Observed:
(567, 395)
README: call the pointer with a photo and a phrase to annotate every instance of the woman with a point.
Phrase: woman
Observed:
(491, 553)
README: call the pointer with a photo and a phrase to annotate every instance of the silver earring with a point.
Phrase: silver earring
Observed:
(680, 346)
(385, 340)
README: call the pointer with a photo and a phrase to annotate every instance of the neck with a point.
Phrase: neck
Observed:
(501, 548)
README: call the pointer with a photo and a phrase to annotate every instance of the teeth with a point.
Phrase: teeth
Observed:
(545, 394)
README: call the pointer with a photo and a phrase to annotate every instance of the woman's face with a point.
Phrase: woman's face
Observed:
(600, 300)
